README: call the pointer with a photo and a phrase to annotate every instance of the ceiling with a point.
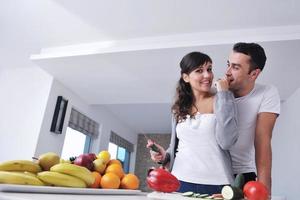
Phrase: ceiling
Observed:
(125, 54)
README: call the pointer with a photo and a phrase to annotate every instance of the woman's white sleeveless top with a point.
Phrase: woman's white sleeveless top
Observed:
(199, 158)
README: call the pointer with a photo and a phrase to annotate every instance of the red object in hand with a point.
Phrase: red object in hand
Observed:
(255, 190)
(162, 181)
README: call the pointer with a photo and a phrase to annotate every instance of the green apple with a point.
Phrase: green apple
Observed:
(47, 160)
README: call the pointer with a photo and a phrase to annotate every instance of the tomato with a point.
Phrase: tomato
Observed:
(162, 181)
(255, 190)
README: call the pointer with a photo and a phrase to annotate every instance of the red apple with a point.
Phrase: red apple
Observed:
(84, 160)
(92, 156)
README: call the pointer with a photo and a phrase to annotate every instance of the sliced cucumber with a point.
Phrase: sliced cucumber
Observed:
(232, 193)
(196, 195)
(203, 195)
(188, 194)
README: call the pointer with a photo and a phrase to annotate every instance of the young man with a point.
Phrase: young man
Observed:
(258, 107)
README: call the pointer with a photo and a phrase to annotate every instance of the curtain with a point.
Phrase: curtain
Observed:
(83, 124)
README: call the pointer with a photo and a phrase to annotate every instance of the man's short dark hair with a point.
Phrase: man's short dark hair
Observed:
(256, 53)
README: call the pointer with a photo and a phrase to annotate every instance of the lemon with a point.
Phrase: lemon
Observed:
(104, 156)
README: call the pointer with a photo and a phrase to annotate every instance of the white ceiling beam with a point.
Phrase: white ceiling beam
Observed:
(279, 33)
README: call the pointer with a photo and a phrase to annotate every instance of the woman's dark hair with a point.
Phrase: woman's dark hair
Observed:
(255, 51)
(184, 98)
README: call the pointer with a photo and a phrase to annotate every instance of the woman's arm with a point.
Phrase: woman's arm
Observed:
(170, 152)
(226, 114)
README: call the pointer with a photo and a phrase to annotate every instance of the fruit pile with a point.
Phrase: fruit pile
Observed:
(86, 170)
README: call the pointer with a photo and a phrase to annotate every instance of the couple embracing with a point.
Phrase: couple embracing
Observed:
(217, 135)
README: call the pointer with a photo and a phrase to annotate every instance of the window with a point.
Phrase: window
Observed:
(75, 143)
(121, 154)
(80, 132)
(113, 150)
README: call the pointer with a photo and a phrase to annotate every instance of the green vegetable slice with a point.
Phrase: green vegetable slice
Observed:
(203, 195)
(188, 194)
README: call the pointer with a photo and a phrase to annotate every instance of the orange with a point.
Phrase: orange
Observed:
(130, 181)
(116, 169)
(110, 181)
(114, 161)
(97, 181)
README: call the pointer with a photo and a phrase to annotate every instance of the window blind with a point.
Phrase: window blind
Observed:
(118, 140)
(83, 124)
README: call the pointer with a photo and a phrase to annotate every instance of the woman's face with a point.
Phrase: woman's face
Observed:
(201, 78)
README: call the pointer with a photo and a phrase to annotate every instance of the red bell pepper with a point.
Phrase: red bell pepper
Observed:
(162, 181)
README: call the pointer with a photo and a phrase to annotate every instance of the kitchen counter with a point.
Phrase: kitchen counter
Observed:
(140, 196)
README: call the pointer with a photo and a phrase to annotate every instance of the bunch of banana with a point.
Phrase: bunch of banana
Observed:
(20, 165)
(74, 170)
(20, 178)
(59, 179)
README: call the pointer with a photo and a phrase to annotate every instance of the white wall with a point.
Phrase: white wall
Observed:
(49, 141)
(28, 98)
(111, 123)
(24, 94)
(286, 150)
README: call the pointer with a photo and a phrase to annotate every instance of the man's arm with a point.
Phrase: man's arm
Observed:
(263, 150)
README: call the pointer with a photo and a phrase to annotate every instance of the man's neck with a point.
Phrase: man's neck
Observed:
(243, 91)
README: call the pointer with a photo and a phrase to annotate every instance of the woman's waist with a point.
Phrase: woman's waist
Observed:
(209, 172)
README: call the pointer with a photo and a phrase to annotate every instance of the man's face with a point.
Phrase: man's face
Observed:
(237, 73)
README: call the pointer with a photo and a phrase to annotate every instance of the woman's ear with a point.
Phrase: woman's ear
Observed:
(185, 77)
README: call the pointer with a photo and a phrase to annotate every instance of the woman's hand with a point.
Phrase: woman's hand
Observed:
(156, 156)
(222, 84)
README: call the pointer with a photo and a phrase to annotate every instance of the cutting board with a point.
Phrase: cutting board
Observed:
(167, 196)
(178, 196)
(170, 196)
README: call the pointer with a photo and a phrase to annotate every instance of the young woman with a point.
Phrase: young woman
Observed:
(204, 127)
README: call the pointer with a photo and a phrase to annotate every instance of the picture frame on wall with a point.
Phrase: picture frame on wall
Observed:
(59, 115)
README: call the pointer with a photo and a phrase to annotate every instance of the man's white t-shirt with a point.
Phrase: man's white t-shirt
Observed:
(263, 98)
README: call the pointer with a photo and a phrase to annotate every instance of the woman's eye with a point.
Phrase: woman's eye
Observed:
(209, 69)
